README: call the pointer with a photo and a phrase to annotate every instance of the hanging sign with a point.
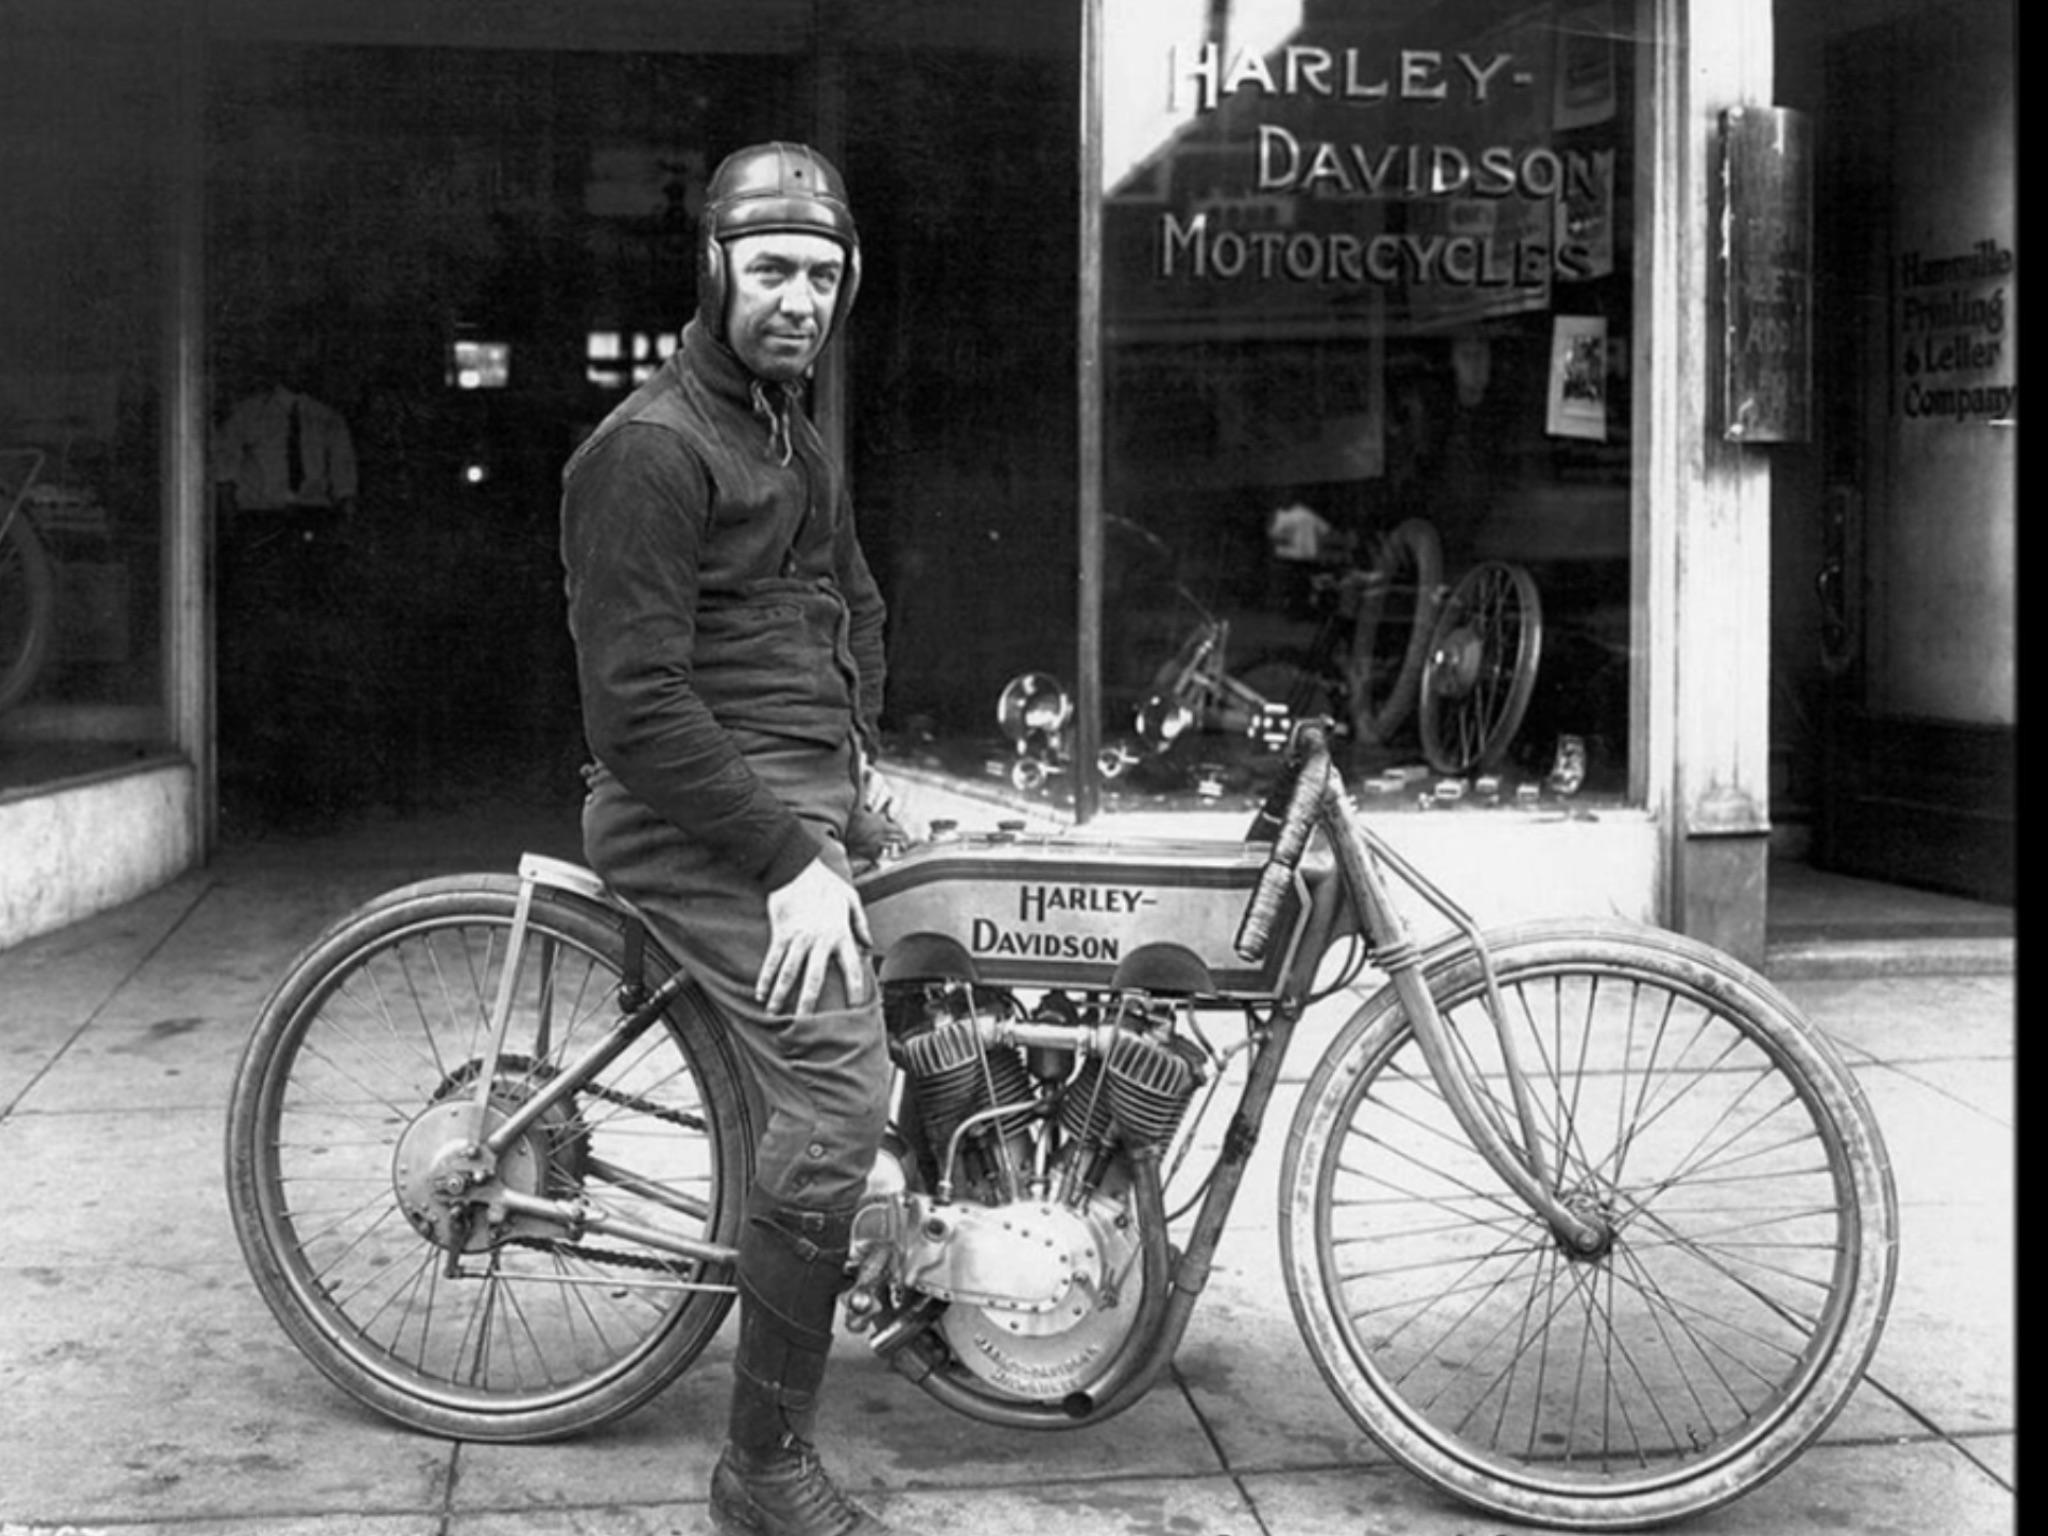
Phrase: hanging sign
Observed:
(1766, 276)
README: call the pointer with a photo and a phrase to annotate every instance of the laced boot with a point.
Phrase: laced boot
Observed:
(768, 1481)
(789, 1493)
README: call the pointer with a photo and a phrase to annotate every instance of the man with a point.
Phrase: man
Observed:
(729, 650)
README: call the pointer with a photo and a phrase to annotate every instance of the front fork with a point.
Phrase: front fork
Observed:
(1525, 1167)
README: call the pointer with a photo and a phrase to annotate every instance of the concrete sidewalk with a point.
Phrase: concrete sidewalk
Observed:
(145, 1389)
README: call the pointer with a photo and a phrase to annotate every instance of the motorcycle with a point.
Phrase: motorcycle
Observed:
(1579, 1220)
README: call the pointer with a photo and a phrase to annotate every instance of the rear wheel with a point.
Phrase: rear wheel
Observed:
(347, 1131)
(1738, 1173)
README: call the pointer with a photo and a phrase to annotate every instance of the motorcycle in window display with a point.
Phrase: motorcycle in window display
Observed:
(1580, 1220)
(1391, 643)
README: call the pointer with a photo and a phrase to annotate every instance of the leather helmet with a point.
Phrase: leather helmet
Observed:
(774, 188)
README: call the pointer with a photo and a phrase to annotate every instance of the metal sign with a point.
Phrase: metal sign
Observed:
(1766, 273)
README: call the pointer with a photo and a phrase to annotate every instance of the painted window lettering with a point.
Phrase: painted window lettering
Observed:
(1346, 74)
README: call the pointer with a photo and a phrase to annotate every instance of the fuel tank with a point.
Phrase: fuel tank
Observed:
(1067, 911)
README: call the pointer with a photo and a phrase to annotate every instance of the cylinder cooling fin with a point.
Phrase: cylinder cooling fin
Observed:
(1150, 1082)
(1128, 1077)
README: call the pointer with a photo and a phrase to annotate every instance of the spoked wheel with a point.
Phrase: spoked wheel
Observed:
(1481, 668)
(1390, 639)
(1726, 1155)
(369, 1223)
(28, 605)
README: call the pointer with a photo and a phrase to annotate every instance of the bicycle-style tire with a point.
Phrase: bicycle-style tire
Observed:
(28, 609)
(1390, 636)
(1742, 1172)
(354, 1072)
(1481, 669)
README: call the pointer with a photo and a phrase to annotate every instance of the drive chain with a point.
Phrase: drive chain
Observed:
(612, 1256)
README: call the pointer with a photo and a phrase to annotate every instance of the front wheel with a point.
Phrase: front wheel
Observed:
(1718, 1141)
(349, 1127)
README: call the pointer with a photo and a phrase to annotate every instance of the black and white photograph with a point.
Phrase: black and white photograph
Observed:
(946, 767)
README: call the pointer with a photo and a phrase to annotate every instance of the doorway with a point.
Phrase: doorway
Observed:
(1917, 367)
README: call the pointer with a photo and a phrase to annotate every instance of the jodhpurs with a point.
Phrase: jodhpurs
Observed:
(824, 1077)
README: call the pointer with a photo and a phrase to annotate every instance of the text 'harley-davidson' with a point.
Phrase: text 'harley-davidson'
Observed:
(1581, 1221)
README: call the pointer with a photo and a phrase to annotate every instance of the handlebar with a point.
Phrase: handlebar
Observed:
(1310, 755)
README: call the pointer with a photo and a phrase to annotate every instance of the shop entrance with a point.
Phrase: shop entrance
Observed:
(1918, 242)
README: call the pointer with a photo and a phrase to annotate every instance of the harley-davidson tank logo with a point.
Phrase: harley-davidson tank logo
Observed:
(1035, 901)
(987, 937)
(1040, 905)
(1035, 912)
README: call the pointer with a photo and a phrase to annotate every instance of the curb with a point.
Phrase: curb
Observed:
(1799, 959)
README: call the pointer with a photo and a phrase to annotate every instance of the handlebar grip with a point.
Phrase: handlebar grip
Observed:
(1256, 931)
(1311, 782)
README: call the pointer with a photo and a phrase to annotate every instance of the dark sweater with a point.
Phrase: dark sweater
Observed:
(717, 594)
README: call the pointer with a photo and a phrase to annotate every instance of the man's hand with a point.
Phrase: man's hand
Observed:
(877, 794)
(872, 831)
(814, 923)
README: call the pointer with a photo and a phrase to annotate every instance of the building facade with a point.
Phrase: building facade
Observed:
(1603, 409)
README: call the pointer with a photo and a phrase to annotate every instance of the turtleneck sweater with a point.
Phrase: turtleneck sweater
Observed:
(717, 596)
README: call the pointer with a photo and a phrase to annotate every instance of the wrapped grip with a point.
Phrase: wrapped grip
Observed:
(1311, 782)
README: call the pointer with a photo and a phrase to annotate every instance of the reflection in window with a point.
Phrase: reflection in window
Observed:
(621, 359)
(479, 364)
(82, 663)
(1367, 311)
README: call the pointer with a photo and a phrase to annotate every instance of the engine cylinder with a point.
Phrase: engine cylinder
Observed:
(1085, 1107)
(945, 1069)
(1150, 1084)
(953, 1078)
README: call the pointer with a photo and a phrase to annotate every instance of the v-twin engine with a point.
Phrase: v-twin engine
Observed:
(1007, 1214)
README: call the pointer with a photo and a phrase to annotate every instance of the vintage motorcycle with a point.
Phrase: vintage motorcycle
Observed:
(1580, 1221)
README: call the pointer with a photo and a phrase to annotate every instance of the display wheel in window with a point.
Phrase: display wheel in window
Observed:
(1481, 669)
(1397, 601)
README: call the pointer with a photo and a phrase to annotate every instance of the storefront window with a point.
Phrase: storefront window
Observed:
(1367, 317)
(961, 150)
(466, 255)
(81, 508)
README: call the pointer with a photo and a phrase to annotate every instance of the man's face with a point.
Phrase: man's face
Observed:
(783, 290)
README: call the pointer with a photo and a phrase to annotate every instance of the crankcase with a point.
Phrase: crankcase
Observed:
(1046, 1356)
(1026, 1257)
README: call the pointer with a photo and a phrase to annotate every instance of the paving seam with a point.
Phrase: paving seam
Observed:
(206, 889)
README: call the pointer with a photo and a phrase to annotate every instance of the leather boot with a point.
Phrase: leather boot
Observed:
(790, 1495)
(768, 1481)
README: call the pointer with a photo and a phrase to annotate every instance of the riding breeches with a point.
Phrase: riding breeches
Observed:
(824, 1076)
